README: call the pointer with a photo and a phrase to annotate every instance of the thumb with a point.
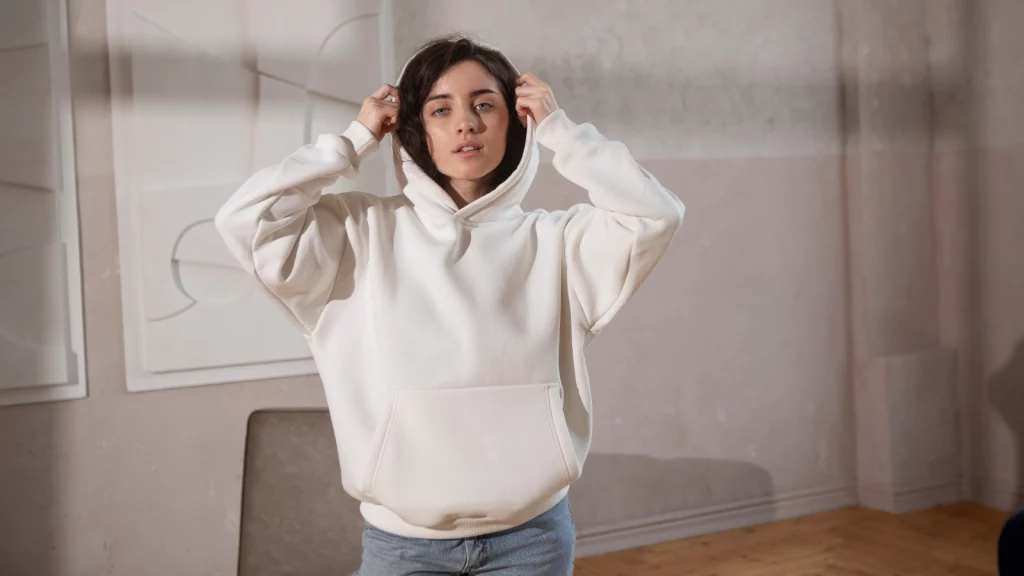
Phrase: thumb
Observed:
(523, 112)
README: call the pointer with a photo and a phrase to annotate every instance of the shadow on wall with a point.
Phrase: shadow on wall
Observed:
(1006, 393)
(621, 493)
(28, 495)
(705, 104)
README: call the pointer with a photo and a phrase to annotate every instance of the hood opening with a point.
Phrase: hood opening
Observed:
(501, 202)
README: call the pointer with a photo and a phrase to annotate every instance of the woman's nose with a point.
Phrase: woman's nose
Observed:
(469, 123)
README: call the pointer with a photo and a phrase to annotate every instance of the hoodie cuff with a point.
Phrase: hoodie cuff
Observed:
(555, 130)
(356, 139)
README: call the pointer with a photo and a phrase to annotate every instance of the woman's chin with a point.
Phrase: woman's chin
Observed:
(469, 173)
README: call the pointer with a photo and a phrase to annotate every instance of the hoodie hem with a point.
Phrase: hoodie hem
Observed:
(383, 519)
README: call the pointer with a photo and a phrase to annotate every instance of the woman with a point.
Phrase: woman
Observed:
(447, 324)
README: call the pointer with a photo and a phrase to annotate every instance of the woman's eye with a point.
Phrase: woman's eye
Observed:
(485, 105)
(440, 112)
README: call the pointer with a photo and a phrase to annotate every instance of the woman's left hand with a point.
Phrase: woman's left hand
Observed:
(534, 98)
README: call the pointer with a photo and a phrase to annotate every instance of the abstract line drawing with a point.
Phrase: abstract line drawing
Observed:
(208, 94)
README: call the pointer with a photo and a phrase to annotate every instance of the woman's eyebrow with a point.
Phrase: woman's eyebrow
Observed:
(472, 94)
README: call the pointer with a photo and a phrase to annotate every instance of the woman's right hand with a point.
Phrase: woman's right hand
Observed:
(379, 113)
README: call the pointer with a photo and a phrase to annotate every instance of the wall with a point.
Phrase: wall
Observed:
(998, 465)
(896, 82)
(724, 382)
(723, 385)
(122, 483)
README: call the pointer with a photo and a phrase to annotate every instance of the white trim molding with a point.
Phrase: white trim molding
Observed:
(690, 523)
(904, 499)
(996, 494)
(42, 340)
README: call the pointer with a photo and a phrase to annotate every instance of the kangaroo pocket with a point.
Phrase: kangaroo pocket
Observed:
(482, 453)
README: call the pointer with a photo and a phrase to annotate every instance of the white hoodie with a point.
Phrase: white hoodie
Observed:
(450, 341)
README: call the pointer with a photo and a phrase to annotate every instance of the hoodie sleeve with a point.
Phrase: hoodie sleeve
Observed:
(613, 244)
(288, 236)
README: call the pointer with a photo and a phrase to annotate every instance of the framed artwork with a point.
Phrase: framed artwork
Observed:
(206, 92)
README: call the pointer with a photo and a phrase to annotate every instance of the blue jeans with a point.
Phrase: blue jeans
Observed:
(544, 546)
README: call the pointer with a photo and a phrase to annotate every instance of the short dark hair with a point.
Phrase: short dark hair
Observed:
(421, 73)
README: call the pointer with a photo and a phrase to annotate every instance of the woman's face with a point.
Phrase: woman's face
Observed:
(466, 120)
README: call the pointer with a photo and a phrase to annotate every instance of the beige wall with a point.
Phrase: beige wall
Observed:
(119, 483)
(998, 466)
(736, 351)
(725, 383)
(722, 384)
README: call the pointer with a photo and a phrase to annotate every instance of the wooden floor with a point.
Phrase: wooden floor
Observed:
(952, 540)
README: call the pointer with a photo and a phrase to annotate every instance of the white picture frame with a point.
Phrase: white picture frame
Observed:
(45, 339)
(249, 81)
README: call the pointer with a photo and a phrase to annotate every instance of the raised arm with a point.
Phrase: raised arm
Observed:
(614, 243)
(288, 236)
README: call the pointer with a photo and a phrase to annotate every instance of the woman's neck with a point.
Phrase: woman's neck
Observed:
(464, 192)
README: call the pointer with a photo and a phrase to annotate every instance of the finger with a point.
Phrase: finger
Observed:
(389, 117)
(523, 113)
(526, 90)
(385, 109)
(385, 90)
(529, 79)
(388, 124)
(523, 110)
(529, 102)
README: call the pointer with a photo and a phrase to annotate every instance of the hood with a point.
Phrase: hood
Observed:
(500, 203)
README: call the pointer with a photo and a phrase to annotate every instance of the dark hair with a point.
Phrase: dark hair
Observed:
(421, 73)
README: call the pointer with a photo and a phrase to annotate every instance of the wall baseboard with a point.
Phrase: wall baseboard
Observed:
(929, 497)
(689, 523)
(995, 494)
(903, 499)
